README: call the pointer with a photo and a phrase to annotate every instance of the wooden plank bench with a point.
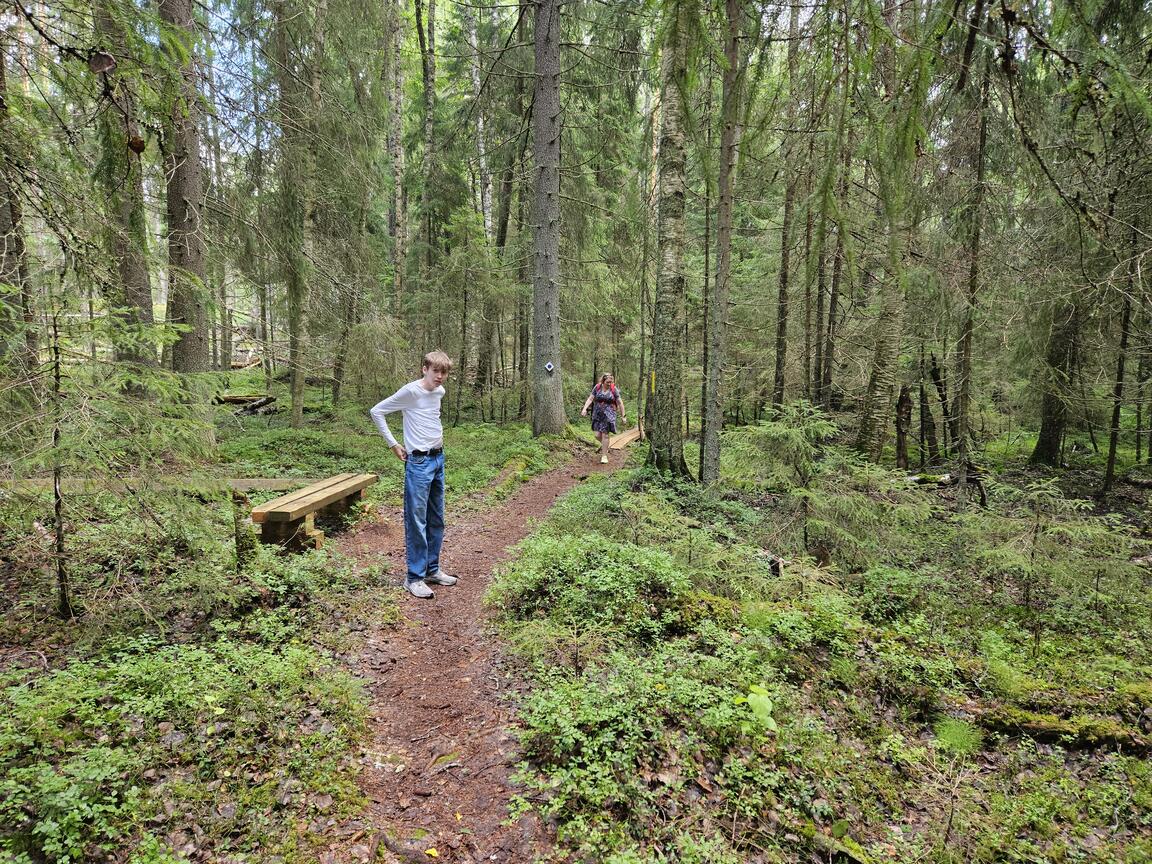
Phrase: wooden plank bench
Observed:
(290, 520)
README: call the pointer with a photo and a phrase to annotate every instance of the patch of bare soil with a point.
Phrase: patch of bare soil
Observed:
(442, 744)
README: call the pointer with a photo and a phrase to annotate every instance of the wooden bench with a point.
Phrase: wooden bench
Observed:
(290, 520)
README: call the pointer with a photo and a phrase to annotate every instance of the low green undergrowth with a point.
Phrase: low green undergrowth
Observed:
(196, 708)
(483, 460)
(816, 658)
(166, 749)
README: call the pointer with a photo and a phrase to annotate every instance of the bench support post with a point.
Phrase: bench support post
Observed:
(294, 535)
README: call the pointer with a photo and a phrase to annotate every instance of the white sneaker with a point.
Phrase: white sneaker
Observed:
(440, 578)
(603, 460)
(419, 589)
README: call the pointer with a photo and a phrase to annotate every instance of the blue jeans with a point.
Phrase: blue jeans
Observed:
(423, 514)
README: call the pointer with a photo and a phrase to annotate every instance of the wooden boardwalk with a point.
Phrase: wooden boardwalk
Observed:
(619, 442)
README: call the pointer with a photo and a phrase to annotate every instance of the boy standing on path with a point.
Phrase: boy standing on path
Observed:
(423, 455)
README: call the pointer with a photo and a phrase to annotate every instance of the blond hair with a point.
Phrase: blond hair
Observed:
(438, 361)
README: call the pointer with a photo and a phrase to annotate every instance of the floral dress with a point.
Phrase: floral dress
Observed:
(604, 409)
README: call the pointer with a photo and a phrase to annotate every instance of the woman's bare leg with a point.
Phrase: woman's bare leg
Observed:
(604, 441)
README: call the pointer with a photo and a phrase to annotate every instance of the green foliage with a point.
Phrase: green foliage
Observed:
(781, 453)
(760, 702)
(594, 580)
(888, 594)
(241, 719)
(958, 737)
(822, 621)
(884, 684)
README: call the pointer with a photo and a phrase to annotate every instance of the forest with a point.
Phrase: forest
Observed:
(864, 577)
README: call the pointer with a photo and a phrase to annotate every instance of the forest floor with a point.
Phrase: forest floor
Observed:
(441, 749)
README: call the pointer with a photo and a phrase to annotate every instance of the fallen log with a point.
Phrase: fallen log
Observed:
(1083, 732)
(238, 398)
(262, 405)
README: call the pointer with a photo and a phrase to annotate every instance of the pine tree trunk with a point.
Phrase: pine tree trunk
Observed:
(964, 384)
(821, 287)
(730, 110)
(220, 269)
(786, 227)
(398, 207)
(808, 280)
(1118, 385)
(489, 309)
(903, 424)
(929, 446)
(1060, 364)
(886, 349)
(295, 196)
(666, 432)
(426, 33)
(947, 424)
(183, 168)
(120, 174)
(18, 339)
(547, 367)
(833, 318)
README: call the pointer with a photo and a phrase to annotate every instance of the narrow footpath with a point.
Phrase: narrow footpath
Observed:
(442, 748)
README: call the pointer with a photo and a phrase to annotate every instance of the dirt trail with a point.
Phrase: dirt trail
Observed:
(441, 748)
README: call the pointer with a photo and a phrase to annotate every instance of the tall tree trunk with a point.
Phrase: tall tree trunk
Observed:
(821, 287)
(426, 32)
(220, 268)
(398, 207)
(886, 350)
(1059, 367)
(547, 368)
(483, 175)
(786, 225)
(903, 424)
(295, 192)
(808, 280)
(895, 130)
(929, 447)
(964, 384)
(489, 307)
(19, 340)
(731, 107)
(666, 433)
(256, 270)
(187, 302)
(947, 423)
(524, 311)
(829, 357)
(120, 173)
(705, 298)
(1118, 385)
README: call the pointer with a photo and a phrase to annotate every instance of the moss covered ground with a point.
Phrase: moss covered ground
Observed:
(819, 660)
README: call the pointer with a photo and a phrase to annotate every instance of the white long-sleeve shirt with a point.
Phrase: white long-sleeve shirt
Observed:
(421, 409)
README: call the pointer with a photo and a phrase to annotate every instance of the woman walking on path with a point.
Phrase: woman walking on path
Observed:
(604, 400)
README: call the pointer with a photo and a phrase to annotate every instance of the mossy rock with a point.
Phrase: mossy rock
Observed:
(700, 606)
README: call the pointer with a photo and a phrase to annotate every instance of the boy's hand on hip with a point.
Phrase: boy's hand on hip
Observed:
(400, 452)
